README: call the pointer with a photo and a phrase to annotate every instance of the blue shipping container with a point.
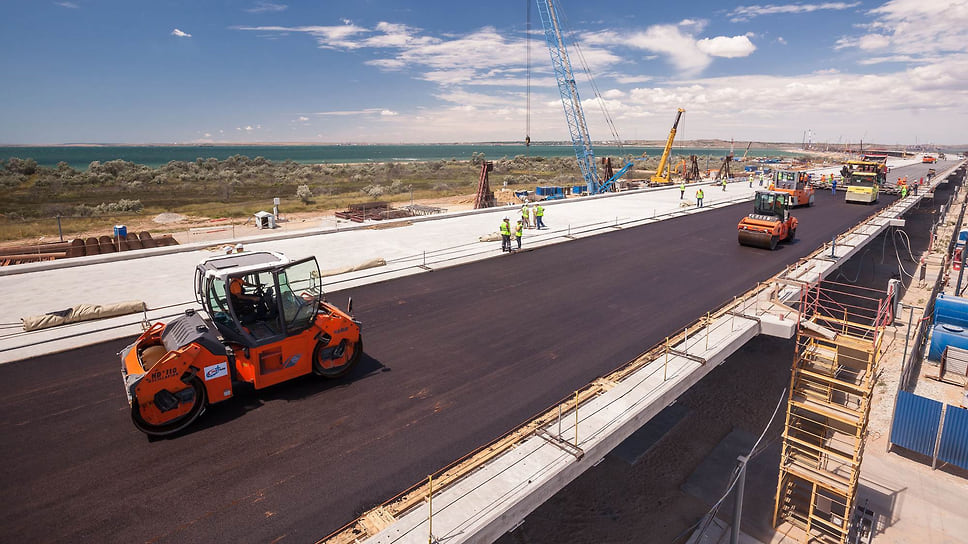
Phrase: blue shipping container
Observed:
(952, 310)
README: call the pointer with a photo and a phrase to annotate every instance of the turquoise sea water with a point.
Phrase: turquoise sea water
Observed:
(80, 157)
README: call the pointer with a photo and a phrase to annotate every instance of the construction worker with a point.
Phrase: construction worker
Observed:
(519, 232)
(506, 235)
(823, 179)
(699, 196)
(249, 307)
(751, 181)
(724, 184)
(524, 215)
(904, 191)
(682, 190)
(539, 217)
(833, 184)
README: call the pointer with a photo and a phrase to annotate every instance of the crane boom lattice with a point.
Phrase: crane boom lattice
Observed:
(568, 90)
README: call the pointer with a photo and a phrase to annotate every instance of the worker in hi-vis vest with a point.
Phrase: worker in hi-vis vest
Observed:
(524, 215)
(519, 232)
(682, 190)
(539, 216)
(699, 195)
(506, 235)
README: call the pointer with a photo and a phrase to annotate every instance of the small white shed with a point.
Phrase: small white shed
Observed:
(265, 220)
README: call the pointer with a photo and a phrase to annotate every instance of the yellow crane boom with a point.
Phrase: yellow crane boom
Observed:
(662, 175)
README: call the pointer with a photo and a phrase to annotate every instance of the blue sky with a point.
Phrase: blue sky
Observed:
(380, 71)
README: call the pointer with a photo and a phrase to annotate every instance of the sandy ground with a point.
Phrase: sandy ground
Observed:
(190, 229)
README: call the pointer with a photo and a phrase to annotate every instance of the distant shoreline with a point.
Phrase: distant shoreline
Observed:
(790, 147)
(80, 156)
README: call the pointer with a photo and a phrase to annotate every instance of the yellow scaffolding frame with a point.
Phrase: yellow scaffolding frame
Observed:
(831, 384)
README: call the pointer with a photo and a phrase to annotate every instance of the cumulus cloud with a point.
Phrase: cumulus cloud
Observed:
(722, 46)
(180, 33)
(745, 13)
(267, 7)
(70, 5)
(679, 45)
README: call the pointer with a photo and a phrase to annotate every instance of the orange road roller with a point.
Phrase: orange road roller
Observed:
(264, 321)
(770, 221)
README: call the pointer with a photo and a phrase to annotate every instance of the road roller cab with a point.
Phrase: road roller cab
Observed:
(770, 223)
(265, 321)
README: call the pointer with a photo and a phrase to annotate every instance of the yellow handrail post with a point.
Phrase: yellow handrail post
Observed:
(665, 369)
(576, 419)
(707, 331)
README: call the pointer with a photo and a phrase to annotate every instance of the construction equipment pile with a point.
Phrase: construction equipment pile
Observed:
(379, 211)
(80, 247)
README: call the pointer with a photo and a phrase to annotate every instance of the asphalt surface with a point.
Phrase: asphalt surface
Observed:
(454, 359)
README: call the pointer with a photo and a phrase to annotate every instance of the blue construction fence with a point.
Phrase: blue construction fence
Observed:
(931, 428)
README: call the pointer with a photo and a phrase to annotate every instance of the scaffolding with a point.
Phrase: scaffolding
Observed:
(834, 371)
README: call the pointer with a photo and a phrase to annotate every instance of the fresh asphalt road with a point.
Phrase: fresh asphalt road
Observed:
(454, 358)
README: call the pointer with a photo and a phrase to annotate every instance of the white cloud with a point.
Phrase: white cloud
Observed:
(388, 113)
(303, 118)
(873, 41)
(722, 46)
(627, 79)
(672, 42)
(483, 57)
(327, 37)
(745, 13)
(267, 7)
(780, 40)
(913, 29)
(180, 33)
(678, 43)
(613, 94)
(346, 113)
(70, 5)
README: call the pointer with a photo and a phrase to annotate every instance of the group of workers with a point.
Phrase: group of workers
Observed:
(534, 215)
(530, 215)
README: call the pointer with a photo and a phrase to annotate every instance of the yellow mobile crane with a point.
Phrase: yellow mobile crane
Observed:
(659, 178)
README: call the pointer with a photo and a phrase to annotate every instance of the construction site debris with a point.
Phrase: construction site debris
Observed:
(81, 312)
(378, 211)
(79, 247)
(373, 263)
